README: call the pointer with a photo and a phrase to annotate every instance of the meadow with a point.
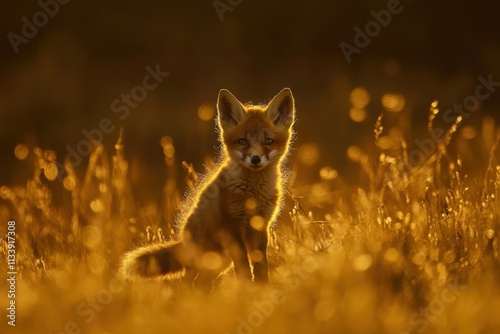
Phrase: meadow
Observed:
(411, 248)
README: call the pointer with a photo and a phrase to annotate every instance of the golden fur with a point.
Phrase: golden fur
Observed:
(226, 221)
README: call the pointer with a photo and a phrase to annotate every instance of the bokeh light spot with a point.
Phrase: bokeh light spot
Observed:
(206, 112)
(386, 142)
(21, 151)
(50, 171)
(393, 102)
(490, 233)
(256, 255)
(103, 187)
(354, 153)
(359, 97)
(97, 206)
(391, 255)
(308, 154)
(91, 236)
(258, 223)
(468, 132)
(328, 173)
(69, 183)
(419, 259)
(358, 115)
(362, 262)
(319, 190)
(168, 150)
(251, 205)
(211, 260)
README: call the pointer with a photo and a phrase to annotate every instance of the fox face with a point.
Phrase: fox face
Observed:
(256, 136)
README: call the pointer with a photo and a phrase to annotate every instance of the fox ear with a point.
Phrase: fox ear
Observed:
(281, 109)
(230, 110)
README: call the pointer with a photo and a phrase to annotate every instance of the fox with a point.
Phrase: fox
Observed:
(226, 222)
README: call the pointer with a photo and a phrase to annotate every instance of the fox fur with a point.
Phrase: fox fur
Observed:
(226, 220)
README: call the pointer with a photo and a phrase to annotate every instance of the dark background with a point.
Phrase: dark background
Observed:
(64, 80)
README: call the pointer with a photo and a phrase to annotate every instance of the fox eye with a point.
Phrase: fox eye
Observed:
(242, 141)
(268, 141)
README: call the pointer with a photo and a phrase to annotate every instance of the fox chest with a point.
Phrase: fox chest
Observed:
(244, 200)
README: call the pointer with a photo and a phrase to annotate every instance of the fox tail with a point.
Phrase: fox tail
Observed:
(153, 261)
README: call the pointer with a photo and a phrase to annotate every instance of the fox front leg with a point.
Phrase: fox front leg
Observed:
(240, 259)
(257, 251)
(205, 281)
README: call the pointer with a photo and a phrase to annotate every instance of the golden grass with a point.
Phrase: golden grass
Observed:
(414, 250)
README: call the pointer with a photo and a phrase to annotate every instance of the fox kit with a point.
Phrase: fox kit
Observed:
(227, 219)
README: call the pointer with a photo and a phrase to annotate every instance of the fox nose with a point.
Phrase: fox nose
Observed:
(255, 160)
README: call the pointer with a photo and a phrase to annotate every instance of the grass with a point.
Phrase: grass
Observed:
(411, 249)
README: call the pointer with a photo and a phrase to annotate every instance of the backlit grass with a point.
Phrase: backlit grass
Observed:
(411, 248)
